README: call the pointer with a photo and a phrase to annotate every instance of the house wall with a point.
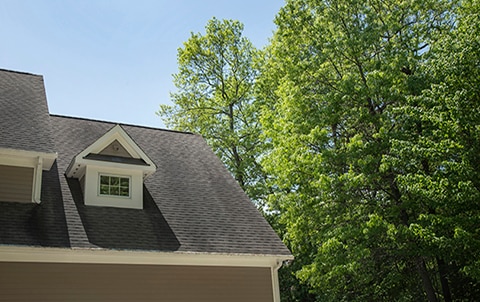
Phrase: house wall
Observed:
(113, 282)
(16, 183)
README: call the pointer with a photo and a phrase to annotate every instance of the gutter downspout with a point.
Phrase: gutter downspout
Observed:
(275, 282)
(37, 181)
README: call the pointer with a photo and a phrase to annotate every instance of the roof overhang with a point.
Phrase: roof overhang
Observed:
(24, 158)
(102, 256)
(91, 156)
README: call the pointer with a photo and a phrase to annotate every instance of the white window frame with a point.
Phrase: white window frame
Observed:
(118, 176)
(92, 182)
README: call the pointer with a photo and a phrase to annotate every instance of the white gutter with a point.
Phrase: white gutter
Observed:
(37, 181)
(275, 281)
(10, 253)
(24, 158)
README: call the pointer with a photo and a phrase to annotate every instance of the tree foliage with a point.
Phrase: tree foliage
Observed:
(366, 116)
(372, 109)
(215, 99)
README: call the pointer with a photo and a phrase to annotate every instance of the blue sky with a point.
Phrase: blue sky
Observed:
(114, 60)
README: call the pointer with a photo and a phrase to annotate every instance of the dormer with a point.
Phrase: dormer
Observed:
(111, 171)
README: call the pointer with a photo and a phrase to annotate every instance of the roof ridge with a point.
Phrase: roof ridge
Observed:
(20, 72)
(121, 124)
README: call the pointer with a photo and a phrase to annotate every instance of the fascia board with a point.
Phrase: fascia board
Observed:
(114, 165)
(113, 134)
(27, 158)
(71, 167)
(116, 133)
(100, 256)
(100, 143)
(130, 144)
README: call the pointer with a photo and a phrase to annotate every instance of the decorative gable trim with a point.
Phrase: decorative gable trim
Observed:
(102, 150)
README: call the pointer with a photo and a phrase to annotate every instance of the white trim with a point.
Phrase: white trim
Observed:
(116, 133)
(39, 161)
(37, 181)
(91, 187)
(275, 281)
(77, 168)
(101, 256)
(23, 158)
(129, 177)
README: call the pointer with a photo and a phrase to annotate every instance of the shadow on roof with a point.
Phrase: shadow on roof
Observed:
(36, 224)
(125, 229)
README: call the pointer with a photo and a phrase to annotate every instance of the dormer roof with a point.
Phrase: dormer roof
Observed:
(113, 149)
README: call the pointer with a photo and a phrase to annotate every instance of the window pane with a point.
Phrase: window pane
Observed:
(104, 180)
(114, 181)
(114, 191)
(124, 182)
(114, 185)
(104, 189)
(124, 191)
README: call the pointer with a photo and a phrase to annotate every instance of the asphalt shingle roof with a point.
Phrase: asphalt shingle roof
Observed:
(191, 203)
(24, 117)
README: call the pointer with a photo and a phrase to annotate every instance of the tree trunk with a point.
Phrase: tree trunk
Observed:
(442, 269)
(237, 159)
(427, 283)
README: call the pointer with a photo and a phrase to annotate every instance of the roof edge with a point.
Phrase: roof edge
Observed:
(102, 256)
(47, 158)
(20, 72)
(113, 123)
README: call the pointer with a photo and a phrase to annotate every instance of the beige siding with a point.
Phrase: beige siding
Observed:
(104, 282)
(16, 183)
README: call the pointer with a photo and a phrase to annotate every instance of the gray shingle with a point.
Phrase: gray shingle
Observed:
(36, 224)
(197, 205)
(191, 203)
(24, 117)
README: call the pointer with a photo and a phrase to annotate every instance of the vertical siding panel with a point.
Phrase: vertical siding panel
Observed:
(99, 282)
(16, 183)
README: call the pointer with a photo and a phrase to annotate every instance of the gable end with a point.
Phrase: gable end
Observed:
(111, 171)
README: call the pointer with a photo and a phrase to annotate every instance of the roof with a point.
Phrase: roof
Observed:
(24, 117)
(191, 203)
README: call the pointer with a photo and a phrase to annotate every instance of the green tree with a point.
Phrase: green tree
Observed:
(215, 99)
(378, 193)
(442, 139)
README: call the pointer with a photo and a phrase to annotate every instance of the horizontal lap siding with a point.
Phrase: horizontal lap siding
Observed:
(104, 282)
(16, 183)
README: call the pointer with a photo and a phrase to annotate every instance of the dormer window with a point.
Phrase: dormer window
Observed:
(111, 171)
(111, 185)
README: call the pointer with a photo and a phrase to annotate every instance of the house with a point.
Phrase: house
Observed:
(98, 211)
